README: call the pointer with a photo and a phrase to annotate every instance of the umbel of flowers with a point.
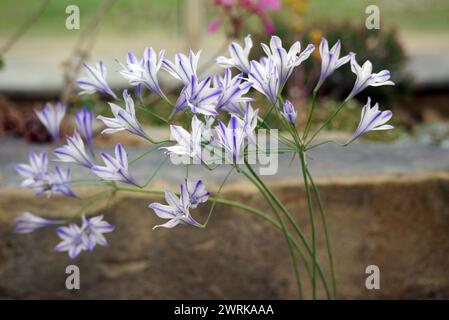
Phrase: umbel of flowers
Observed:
(205, 99)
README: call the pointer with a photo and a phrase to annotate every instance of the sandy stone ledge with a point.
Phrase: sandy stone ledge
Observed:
(399, 223)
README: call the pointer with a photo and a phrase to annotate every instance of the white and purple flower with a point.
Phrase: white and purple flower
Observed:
(73, 240)
(74, 151)
(372, 119)
(231, 138)
(144, 72)
(176, 210)
(184, 67)
(76, 239)
(36, 173)
(199, 97)
(289, 112)
(232, 90)
(61, 182)
(286, 61)
(51, 117)
(264, 76)
(197, 192)
(28, 222)
(41, 180)
(93, 229)
(124, 119)
(330, 59)
(115, 169)
(84, 121)
(366, 78)
(96, 81)
(239, 56)
(187, 143)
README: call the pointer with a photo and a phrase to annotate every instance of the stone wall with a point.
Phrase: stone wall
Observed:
(398, 223)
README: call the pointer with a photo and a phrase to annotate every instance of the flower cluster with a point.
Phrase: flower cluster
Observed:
(74, 238)
(210, 137)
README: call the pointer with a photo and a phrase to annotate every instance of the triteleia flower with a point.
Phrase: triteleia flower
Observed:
(177, 209)
(187, 143)
(28, 222)
(330, 60)
(93, 230)
(264, 76)
(61, 182)
(372, 119)
(197, 192)
(76, 239)
(239, 56)
(184, 68)
(124, 119)
(74, 151)
(35, 173)
(41, 180)
(366, 78)
(250, 118)
(114, 169)
(84, 121)
(232, 90)
(96, 82)
(51, 118)
(73, 240)
(144, 72)
(286, 61)
(199, 97)
(289, 112)
(231, 138)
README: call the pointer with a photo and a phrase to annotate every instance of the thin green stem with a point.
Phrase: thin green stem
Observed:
(327, 121)
(154, 114)
(214, 202)
(90, 201)
(146, 153)
(312, 221)
(161, 164)
(309, 117)
(251, 210)
(297, 229)
(284, 231)
(326, 233)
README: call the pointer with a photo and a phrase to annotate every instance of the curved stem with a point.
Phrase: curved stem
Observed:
(214, 202)
(284, 231)
(161, 164)
(297, 229)
(251, 210)
(327, 121)
(326, 233)
(309, 118)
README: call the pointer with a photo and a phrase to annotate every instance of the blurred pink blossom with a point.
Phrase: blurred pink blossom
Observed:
(233, 10)
(213, 25)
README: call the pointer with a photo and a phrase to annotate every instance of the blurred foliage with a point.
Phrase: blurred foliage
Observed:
(381, 47)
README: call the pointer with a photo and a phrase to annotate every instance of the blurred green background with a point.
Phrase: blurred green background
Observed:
(139, 15)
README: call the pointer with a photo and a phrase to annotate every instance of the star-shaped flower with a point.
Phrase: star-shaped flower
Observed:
(115, 169)
(96, 81)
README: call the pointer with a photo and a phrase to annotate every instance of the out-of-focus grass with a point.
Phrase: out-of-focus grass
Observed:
(418, 15)
(131, 16)
(126, 16)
